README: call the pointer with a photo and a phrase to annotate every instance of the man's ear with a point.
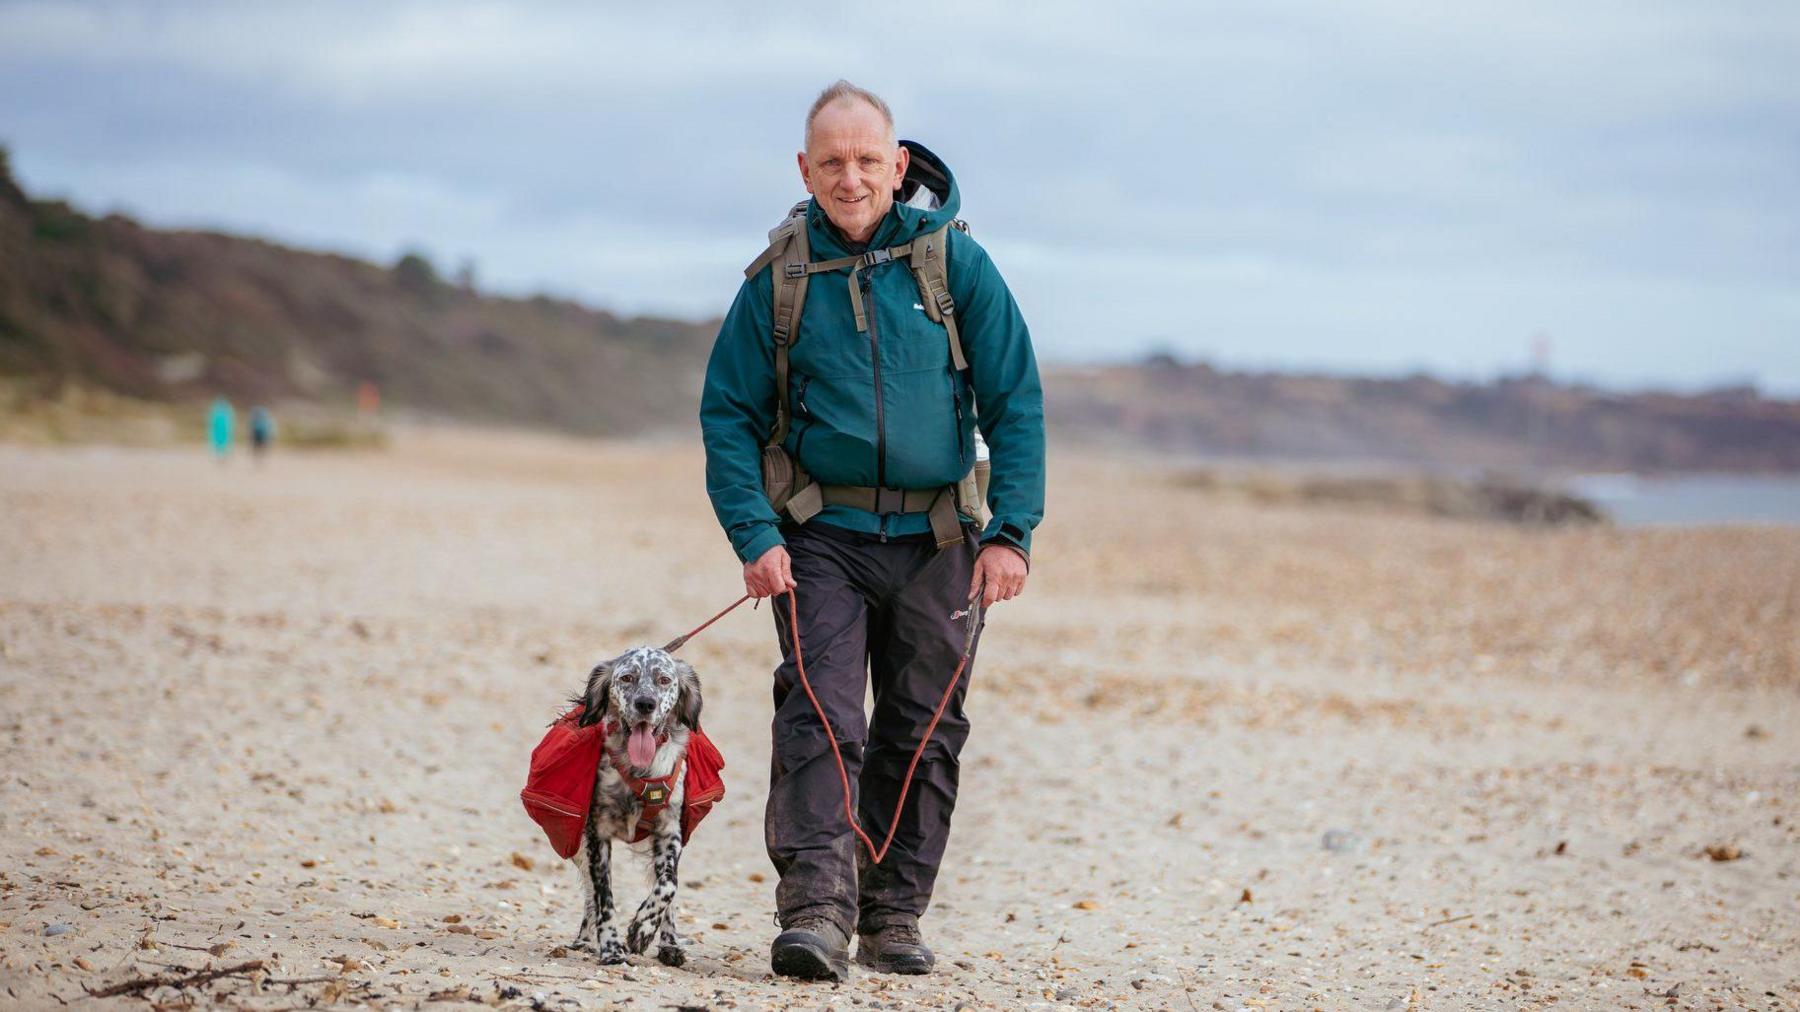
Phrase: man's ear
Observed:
(904, 160)
(687, 704)
(597, 697)
(805, 171)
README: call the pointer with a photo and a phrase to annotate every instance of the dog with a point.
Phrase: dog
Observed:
(649, 704)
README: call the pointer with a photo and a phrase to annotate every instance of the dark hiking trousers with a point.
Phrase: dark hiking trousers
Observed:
(881, 609)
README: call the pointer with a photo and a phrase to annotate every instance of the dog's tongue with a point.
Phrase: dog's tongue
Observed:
(641, 746)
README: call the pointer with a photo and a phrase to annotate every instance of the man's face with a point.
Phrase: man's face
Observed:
(853, 166)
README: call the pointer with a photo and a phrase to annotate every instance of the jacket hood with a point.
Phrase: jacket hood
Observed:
(928, 200)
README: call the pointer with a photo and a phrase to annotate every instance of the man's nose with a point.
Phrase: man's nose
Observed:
(644, 705)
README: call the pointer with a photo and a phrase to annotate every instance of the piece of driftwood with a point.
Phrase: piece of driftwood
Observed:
(197, 977)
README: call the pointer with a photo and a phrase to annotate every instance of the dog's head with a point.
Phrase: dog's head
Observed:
(643, 690)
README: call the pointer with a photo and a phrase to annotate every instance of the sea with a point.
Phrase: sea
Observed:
(1691, 500)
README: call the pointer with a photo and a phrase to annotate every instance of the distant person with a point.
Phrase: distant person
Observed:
(871, 386)
(262, 431)
(219, 425)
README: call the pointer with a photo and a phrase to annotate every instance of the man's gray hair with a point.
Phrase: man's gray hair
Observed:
(842, 89)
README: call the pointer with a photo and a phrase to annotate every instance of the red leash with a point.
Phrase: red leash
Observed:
(875, 855)
(676, 643)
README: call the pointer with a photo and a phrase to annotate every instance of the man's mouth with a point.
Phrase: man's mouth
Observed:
(852, 200)
(640, 747)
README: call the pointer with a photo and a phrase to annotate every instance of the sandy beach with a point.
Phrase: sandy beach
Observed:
(1225, 755)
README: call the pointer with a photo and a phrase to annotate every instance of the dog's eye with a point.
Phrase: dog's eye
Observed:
(664, 680)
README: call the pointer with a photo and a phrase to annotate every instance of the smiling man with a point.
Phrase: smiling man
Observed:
(840, 412)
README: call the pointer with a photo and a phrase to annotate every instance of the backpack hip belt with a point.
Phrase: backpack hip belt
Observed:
(941, 504)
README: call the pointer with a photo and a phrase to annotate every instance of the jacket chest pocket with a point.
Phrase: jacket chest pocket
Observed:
(909, 338)
(829, 346)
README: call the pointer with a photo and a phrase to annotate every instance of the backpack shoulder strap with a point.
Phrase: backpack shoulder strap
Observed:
(794, 221)
(930, 261)
(788, 251)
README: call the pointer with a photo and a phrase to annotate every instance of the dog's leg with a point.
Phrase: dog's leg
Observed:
(606, 932)
(600, 914)
(670, 951)
(584, 935)
(655, 917)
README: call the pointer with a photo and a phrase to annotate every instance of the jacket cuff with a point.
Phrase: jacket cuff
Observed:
(1009, 546)
(1011, 536)
(767, 536)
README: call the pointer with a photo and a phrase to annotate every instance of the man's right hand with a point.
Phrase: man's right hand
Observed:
(770, 574)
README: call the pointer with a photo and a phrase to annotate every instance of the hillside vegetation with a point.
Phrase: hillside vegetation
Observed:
(1516, 424)
(177, 315)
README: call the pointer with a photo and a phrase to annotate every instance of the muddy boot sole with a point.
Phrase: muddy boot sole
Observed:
(911, 963)
(807, 955)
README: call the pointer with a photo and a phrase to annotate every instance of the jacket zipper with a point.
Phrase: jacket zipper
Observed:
(962, 455)
(805, 422)
(880, 420)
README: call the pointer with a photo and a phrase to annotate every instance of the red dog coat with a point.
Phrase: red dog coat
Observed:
(560, 787)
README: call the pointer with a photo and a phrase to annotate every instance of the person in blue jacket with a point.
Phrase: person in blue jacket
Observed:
(220, 419)
(881, 415)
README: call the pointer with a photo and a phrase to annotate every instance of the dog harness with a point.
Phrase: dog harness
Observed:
(652, 793)
(559, 790)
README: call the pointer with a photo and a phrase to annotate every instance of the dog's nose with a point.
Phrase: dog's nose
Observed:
(645, 705)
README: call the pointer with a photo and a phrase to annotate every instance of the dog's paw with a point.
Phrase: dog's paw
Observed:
(607, 948)
(671, 955)
(639, 935)
(582, 943)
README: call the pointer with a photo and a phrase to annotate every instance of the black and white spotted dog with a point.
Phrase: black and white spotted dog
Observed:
(649, 701)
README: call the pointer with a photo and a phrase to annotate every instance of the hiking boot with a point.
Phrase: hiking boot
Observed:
(812, 948)
(894, 948)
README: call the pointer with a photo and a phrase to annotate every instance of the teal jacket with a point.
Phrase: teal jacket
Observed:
(882, 407)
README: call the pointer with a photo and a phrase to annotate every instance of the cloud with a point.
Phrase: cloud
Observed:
(1318, 182)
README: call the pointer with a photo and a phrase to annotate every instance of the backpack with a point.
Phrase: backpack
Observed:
(789, 488)
(559, 789)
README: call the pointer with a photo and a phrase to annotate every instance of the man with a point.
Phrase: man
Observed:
(879, 411)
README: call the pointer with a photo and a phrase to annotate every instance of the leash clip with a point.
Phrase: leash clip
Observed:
(974, 603)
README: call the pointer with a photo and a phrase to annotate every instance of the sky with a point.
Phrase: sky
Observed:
(1374, 188)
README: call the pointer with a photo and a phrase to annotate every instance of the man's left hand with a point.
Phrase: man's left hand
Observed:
(1003, 569)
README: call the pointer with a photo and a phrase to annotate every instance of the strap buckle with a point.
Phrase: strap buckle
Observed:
(655, 794)
(889, 500)
(946, 304)
(876, 256)
(795, 271)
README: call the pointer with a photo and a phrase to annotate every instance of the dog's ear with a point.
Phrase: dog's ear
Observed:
(687, 704)
(598, 695)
